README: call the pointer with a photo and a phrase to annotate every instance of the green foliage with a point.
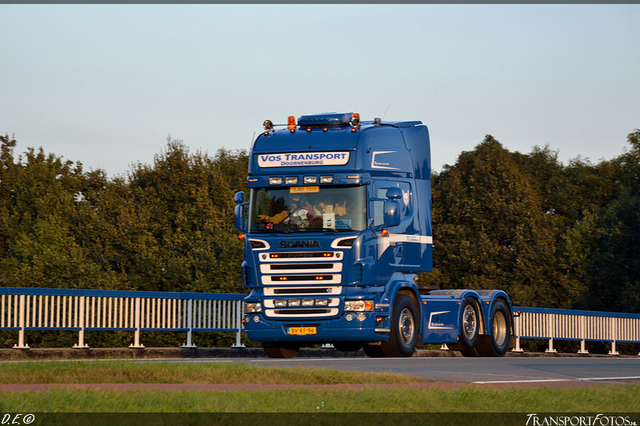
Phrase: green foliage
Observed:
(602, 248)
(167, 227)
(548, 234)
(492, 230)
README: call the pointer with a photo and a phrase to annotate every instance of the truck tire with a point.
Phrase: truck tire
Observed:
(469, 329)
(373, 351)
(281, 350)
(497, 344)
(405, 329)
(347, 346)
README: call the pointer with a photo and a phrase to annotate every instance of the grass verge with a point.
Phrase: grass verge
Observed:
(467, 400)
(39, 372)
(470, 399)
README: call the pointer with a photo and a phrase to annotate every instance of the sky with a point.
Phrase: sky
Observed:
(106, 85)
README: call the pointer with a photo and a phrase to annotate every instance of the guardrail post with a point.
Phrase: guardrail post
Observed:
(517, 332)
(81, 344)
(550, 324)
(517, 348)
(136, 334)
(583, 337)
(239, 307)
(189, 344)
(613, 322)
(21, 344)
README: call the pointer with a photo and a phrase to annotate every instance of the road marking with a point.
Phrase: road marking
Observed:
(577, 379)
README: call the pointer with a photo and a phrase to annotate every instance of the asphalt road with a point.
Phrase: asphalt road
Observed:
(482, 370)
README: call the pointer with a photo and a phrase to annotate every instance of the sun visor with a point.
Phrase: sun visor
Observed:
(326, 119)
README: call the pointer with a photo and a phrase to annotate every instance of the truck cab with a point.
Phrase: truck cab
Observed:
(337, 225)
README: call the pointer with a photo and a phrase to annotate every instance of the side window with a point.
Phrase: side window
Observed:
(381, 195)
(378, 206)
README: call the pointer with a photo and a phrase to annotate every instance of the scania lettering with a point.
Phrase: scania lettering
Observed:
(337, 227)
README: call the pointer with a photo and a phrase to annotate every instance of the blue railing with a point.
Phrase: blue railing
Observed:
(568, 324)
(25, 309)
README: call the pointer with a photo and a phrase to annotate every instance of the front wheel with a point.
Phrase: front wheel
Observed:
(281, 350)
(404, 329)
(497, 344)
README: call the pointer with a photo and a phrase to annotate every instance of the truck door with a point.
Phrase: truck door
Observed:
(403, 240)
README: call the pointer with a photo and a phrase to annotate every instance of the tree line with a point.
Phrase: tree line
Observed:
(550, 234)
(165, 227)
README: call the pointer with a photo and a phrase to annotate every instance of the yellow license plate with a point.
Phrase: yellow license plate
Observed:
(302, 330)
(303, 189)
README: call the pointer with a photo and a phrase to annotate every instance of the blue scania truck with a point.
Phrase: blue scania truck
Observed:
(336, 228)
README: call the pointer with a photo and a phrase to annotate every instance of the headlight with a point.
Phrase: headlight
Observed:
(294, 302)
(280, 303)
(322, 302)
(250, 308)
(358, 305)
(307, 302)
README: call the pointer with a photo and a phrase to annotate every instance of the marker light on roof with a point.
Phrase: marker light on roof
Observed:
(291, 123)
(290, 180)
(310, 179)
(326, 179)
(355, 119)
(268, 125)
(275, 181)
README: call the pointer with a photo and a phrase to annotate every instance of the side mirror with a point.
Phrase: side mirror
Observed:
(391, 213)
(394, 193)
(239, 217)
(392, 207)
(239, 197)
(239, 211)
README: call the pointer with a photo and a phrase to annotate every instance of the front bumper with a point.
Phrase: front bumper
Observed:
(361, 327)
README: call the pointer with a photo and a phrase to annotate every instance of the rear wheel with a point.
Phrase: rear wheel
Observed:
(347, 346)
(404, 329)
(497, 344)
(469, 329)
(281, 350)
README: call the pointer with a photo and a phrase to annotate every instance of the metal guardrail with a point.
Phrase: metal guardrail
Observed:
(568, 324)
(25, 309)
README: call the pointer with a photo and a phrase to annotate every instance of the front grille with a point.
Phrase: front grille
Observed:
(303, 274)
(300, 255)
(301, 290)
(287, 266)
(280, 278)
(302, 311)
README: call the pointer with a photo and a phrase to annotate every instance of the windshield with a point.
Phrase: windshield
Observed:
(308, 208)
